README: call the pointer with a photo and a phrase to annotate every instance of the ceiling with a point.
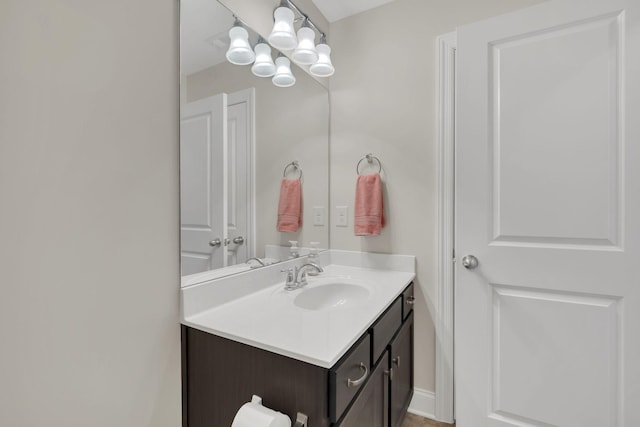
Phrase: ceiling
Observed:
(335, 10)
(204, 37)
(205, 25)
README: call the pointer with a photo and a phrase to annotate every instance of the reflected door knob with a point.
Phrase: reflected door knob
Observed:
(215, 243)
(238, 240)
(470, 262)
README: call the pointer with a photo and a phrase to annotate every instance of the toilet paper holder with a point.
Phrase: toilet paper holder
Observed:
(301, 420)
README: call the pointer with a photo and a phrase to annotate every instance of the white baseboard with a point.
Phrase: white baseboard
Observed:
(423, 403)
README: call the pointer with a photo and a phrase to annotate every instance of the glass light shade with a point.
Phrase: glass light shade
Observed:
(306, 53)
(264, 66)
(283, 36)
(240, 52)
(323, 67)
(283, 76)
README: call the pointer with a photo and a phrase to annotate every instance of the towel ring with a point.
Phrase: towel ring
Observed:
(295, 165)
(369, 158)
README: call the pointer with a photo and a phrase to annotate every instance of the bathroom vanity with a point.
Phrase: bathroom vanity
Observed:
(339, 350)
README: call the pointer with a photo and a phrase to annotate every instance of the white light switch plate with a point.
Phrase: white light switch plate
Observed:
(318, 215)
(342, 216)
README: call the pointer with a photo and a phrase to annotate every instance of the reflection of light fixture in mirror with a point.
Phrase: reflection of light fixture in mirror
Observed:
(283, 35)
(283, 76)
(240, 52)
(264, 66)
(323, 66)
(305, 52)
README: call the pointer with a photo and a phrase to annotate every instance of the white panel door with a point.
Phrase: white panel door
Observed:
(203, 211)
(240, 177)
(548, 201)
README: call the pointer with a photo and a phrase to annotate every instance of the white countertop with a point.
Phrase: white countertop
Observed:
(267, 317)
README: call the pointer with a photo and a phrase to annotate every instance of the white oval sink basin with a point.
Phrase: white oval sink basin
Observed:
(331, 295)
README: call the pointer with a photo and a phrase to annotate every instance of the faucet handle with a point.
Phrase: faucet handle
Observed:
(290, 280)
(303, 279)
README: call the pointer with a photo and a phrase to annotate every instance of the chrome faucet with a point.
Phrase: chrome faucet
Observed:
(262, 264)
(297, 276)
(301, 273)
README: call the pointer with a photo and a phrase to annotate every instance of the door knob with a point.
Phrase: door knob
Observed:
(470, 262)
(238, 240)
(215, 243)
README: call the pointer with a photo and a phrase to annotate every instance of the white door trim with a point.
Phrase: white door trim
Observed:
(445, 173)
(249, 95)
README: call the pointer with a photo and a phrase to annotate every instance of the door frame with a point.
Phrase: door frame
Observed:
(445, 178)
(249, 96)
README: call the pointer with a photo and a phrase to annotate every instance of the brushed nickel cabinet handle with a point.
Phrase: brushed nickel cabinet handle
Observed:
(411, 300)
(396, 361)
(389, 373)
(356, 383)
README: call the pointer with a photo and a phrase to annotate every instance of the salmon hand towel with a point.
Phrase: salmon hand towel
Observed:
(369, 209)
(290, 206)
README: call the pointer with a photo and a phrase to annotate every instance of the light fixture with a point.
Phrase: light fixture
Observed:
(240, 52)
(263, 66)
(323, 66)
(306, 53)
(283, 76)
(283, 35)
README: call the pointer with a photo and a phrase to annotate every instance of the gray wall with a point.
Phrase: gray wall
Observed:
(89, 255)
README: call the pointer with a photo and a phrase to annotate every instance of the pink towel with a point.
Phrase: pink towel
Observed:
(369, 210)
(290, 206)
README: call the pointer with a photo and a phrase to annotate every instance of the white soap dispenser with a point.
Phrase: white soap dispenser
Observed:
(313, 257)
(294, 251)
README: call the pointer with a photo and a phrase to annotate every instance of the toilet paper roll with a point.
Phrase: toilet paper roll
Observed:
(253, 414)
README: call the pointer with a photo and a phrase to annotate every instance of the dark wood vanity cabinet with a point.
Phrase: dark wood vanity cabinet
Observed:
(408, 299)
(371, 408)
(385, 398)
(220, 375)
(401, 351)
(370, 386)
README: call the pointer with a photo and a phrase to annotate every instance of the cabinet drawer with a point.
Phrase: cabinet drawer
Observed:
(407, 301)
(348, 376)
(370, 408)
(385, 328)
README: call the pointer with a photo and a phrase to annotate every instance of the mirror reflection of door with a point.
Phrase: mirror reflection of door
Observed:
(216, 180)
(240, 178)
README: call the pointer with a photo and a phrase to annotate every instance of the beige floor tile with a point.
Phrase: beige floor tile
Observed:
(412, 420)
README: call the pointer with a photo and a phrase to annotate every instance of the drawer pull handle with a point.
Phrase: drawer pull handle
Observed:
(356, 383)
(396, 361)
(411, 300)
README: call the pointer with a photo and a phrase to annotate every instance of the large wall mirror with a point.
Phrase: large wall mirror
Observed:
(240, 136)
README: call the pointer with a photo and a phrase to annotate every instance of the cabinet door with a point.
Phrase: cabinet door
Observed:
(347, 369)
(370, 409)
(402, 379)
